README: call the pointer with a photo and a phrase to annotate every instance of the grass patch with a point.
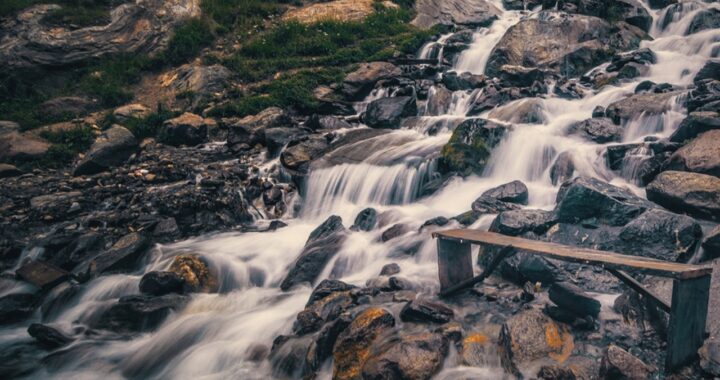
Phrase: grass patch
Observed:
(66, 145)
(142, 128)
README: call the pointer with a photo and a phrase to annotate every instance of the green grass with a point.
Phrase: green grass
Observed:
(143, 127)
(66, 145)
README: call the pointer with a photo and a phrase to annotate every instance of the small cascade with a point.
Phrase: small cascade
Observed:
(633, 161)
(475, 58)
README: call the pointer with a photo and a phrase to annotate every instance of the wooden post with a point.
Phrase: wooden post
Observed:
(688, 314)
(454, 262)
(497, 259)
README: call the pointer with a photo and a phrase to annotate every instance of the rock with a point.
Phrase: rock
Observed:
(199, 81)
(288, 356)
(705, 19)
(134, 29)
(196, 274)
(388, 112)
(16, 307)
(701, 155)
(298, 155)
(598, 111)
(8, 126)
(67, 106)
(139, 313)
(326, 288)
(526, 111)
(563, 169)
(574, 299)
(521, 76)
(353, 346)
(645, 104)
(560, 43)
(323, 243)
(8, 171)
(600, 130)
(436, 221)
(43, 275)
(494, 96)
(17, 147)
(317, 122)
(335, 10)
(472, 13)
(439, 101)
(632, 70)
(131, 111)
(277, 138)
(659, 234)
(49, 337)
(424, 311)
(619, 364)
(692, 193)
(711, 243)
(615, 154)
(584, 198)
(416, 356)
(251, 130)
(557, 373)
(513, 192)
(394, 231)
(632, 12)
(161, 283)
(393, 268)
(518, 222)
(360, 82)
(463, 81)
(710, 357)
(487, 205)
(711, 70)
(469, 147)
(123, 255)
(187, 129)
(109, 150)
(366, 220)
(695, 124)
(531, 335)
(704, 97)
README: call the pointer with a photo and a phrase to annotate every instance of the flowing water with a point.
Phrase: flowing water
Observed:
(214, 336)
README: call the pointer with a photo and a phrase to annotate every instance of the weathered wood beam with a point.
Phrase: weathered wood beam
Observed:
(497, 259)
(638, 287)
(688, 315)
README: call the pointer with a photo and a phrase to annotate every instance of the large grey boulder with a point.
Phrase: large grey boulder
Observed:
(110, 149)
(600, 130)
(187, 129)
(360, 82)
(705, 19)
(692, 193)
(646, 104)
(471, 13)
(389, 112)
(701, 155)
(694, 124)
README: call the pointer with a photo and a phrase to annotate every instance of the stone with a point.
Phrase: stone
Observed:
(599, 130)
(43, 275)
(695, 124)
(439, 101)
(322, 244)
(336, 10)
(360, 82)
(574, 299)
(19, 147)
(470, 13)
(366, 220)
(416, 356)
(518, 222)
(710, 357)
(705, 19)
(277, 138)
(317, 123)
(396, 230)
(701, 155)
(513, 192)
(388, 112)
(617, 363)
(139, 313)
(109, 150)
(8, 171)
(16, 307)
(353, 346)
(161, 283)
(187, 129)
(201, 82)
(645, 104)
(658, 234)
(393, 268)
(251, 129)
(197, 275)
(562, 169)
(488, 205)
(298, 155)
(598, 111)
(424, 311)
(463, 81)
(525, 111)
(326, 288)
(556, 372)
(468, 149)
(122, 256)
(67, 106)
(131, 111)
(48, 336)
(711, 70)
(692, 193)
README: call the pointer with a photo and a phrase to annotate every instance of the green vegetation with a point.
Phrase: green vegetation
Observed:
(143, 127)
(66, 145)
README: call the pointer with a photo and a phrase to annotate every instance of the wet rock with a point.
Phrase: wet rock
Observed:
(571, 297)
(366, 220)
(353, 346)
(161, 283)
(600, 130)
(298, 155)
(124, 255)
(645, 104)
(642, 56)
(658, 234)
(16, 307)
(437, 221)
(323, 243)
(701, 155)
(562, 169)
(695, 124)
(556, 373)
(439, 101)
(317, 122)
(424, 311)
(388, 112)
(513, 192)
(632, 70)
(523, 267)
(251, 130)
(49, 337)
(692, 193)
(619, 364)
(287, 356)
(360, 82)
(326, 288)
(394, 231)
(527, 111)
(131, 111)
(43, 275)
(464, 81)
(488, 205)
(704, 97)
(278, 138)
(322, 347)
(711, 70)
(710, 357)
(166, 229)
(74, 251)
(393, 268)
(8, 171)
(195, 272)
(615, 154)
(598, 111)
(494, 96)
(139, 313)
(473, 13)
(469, 147)
(560, 42)
(518, 222)
(705, 19)
(531, 335)
(417, 356)
(110, 149)
(711, 243)
(17, 147)
(569, 89)
(584, 198)
(187, 129)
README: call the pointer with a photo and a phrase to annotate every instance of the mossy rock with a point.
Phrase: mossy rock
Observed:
(469, 148)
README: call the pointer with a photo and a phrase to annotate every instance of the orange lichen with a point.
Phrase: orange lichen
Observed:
(560, 340)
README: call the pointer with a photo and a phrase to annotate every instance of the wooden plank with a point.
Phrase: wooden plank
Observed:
(497, 259)
(454, 263)
(580, 255)
(686, 331)
(638, 287)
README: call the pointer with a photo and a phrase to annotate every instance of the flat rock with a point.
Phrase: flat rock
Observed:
(123, 255)
(472, 13)
(513, 192)
(139, 313)
(574, 299)
(620, 364)
(360, 82)
(42, 275)
(692, 193)
(16, 147)
(701, 155)
(424, 311)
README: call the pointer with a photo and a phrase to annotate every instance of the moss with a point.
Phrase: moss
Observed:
(463, 158)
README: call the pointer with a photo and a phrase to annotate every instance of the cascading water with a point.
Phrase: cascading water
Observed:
(216, 335)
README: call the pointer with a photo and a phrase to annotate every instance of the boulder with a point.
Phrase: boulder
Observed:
(8, 171)
(562, 169)
(366, 220)
(463, 81)
(513, 192)
(187, 129)
(139, 313)
(16, 307)
(695, 124)
(617, 363)
(521, 76)
(657, 234)
(645, 104)
(161, 283)
(394, 231)
(277, 138)
(250, 130)
(110, 149)
(17, 147)
(360, 82)
(470, 13)
(701, 155)
(41, 274)
(199, 81)
(322, 311)
(8, 126)
(525, 111)
(298, 155)
(124, 255)
(710, 357)
(599, 130)
(326, 288)
(324, 242)
(416, 356)
(317, 122)
(389, 112)
(518, 222)
(353, 346)
(131, 111)
(561, 43)
(570, 297)
(469, 147)
(196, 274)
(711, 70)
(705, 19)
(495, 95)
(487, 205)
(704, 97)
(692, 193)
(67, 106)
(424, 311)
(393, 268)
(439, 101)
(48, 336)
